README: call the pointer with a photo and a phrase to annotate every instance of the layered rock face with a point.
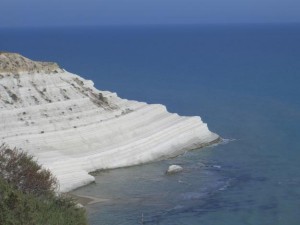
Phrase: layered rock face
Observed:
(72, 128)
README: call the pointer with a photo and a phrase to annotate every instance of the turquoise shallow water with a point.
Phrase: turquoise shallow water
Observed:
(242, 80)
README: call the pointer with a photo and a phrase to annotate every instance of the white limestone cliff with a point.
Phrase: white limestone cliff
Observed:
(73, 129)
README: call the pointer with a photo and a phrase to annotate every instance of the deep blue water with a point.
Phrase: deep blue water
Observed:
(244, 81)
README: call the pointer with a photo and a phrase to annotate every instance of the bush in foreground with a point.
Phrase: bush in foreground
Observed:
(22, 172)
(27, 194)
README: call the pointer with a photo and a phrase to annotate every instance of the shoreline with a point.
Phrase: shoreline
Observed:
(85, 200)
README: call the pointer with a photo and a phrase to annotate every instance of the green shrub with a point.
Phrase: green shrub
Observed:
(21, 171)
(27, 194)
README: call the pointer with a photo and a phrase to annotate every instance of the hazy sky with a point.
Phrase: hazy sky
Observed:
(105, 12)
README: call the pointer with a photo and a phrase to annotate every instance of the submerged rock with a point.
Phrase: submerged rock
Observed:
(174, 169)
(73, 129)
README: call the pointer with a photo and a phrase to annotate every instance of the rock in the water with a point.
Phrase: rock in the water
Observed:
(79, 206)
(174, 169)
(73, 129)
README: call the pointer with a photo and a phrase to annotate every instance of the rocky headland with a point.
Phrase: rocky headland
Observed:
(73, 129)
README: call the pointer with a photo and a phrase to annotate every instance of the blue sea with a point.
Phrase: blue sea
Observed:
(244, 82)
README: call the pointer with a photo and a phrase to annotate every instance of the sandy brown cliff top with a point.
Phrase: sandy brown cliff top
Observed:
(13, 63)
